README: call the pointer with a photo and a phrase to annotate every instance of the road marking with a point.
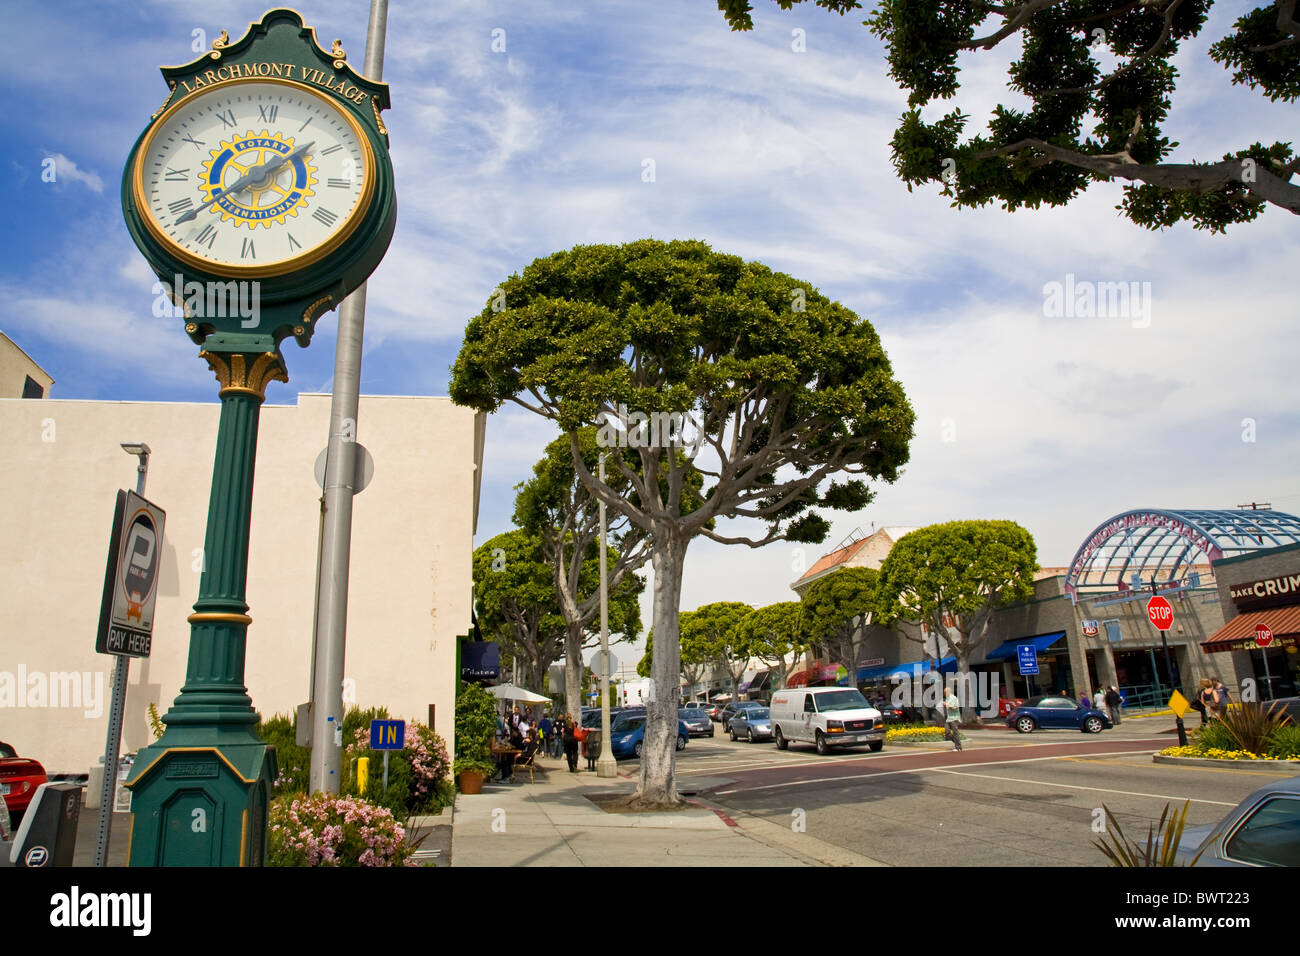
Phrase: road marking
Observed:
(1071, 786)
(891, 773)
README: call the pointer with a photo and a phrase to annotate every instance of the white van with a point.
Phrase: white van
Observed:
(826, 717)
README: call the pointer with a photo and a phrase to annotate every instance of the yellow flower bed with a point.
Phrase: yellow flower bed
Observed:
(1213, 754)
(914, 733)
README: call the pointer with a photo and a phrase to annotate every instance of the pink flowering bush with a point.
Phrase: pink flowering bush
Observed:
(329, 830)
(419, 776)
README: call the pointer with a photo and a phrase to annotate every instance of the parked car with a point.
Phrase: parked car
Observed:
(752, 723)
(1057, 713)
(1262, 830)
(714, 710)
(696, 721)
(627, 736)
(19, 778)
(826, 717)
(731, 710)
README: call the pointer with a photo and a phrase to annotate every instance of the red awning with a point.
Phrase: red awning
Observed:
(801, 678)
(1239, 633)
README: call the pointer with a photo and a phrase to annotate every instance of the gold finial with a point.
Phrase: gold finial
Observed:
(221, 41)
(337, 51)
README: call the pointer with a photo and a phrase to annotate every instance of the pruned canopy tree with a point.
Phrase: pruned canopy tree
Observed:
(953, 576)
(783, 390)
(516, 602)
(775, 635)
(838, 608)
(1100, 81)
(563, 515)
(713, 628)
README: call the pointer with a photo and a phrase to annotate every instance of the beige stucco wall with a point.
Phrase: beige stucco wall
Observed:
(410, 582)
(15, 366)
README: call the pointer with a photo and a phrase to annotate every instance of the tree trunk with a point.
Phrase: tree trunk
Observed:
(657, 787)
(573, 670)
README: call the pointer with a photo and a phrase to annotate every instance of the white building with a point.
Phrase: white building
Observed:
(410, 588)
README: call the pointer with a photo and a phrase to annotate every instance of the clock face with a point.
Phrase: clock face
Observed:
(254, 177)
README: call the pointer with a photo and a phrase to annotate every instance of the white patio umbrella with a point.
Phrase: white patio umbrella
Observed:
(517, 694)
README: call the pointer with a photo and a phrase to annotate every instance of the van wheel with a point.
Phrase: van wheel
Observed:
(781, 742)
(875, 746)
(822, 747)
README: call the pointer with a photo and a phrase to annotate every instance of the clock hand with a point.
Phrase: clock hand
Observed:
(252, 175)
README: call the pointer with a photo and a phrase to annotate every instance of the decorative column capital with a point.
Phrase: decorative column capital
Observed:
(244, 364)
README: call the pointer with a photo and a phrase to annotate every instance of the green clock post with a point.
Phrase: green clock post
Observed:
(261, 194)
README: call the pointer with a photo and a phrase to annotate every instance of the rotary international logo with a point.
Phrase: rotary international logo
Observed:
(258, 178)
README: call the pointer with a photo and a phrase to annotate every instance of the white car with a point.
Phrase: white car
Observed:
(825, 717)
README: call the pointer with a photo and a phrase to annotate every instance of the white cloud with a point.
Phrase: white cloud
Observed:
(62, 170)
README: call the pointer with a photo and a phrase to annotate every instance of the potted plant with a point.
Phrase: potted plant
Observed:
(476, 725)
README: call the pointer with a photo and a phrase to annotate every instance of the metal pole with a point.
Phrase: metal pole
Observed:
(386, 771)
(340, 472)
(605, 764)
(1268, 678)
(113, 743)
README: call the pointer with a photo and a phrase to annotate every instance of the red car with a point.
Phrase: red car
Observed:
(19, 778)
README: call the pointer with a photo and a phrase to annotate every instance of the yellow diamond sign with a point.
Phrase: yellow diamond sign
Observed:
(1178, 704)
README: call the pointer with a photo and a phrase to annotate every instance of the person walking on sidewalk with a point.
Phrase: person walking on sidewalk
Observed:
(952, 717)
(1112, 704)
(570, 736)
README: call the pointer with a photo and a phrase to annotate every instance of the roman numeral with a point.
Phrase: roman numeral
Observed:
(339, 183)
(190, 139)
(176, 175)
(207, 237)
(293, 243)
(180, 205)
(266, 114)
(324, 216)
(227, 118)
(246, 250)
(334, 148)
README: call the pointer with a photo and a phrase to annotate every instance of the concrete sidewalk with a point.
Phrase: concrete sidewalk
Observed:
(551, 822)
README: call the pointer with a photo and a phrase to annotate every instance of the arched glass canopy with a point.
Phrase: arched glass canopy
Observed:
(1152, 544)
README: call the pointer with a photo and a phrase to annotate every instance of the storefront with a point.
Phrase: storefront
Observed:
(1263, 636)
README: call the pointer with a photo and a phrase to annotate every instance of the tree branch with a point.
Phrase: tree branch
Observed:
(1195, 178)
(1141, 57)
(1286, 23)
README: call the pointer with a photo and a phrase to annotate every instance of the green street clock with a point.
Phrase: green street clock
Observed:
(268, 163)
(261, 194)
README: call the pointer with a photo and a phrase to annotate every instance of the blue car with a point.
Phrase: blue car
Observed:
(1057, 713)
(627, 735)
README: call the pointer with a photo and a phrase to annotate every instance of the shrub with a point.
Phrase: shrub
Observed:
(1251, 726)
(328, 830)
(417, 775)
(1285, 743)
(476, 725)
(1214, 736)
(292, 761)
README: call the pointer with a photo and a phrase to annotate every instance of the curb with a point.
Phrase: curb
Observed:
(1211, 762)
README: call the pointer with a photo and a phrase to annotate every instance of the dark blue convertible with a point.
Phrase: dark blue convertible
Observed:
(1057, 713)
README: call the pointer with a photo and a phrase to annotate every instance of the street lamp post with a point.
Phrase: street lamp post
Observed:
(605, 765)
(117, 704)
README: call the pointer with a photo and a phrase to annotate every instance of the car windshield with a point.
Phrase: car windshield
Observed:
(841, 700)
(7, 751)
(628, 724)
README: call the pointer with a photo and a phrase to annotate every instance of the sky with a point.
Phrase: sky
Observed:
(761, 149)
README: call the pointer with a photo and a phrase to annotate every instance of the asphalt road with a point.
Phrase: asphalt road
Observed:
(1006, 800)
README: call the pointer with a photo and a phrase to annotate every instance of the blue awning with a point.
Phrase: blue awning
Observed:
(1006, 651)
(946, 666)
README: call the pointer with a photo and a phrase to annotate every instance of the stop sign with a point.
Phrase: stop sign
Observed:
(1160, 612)
(1263, 635)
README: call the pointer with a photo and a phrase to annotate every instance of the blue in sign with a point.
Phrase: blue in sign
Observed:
(1028, 657)
(387, 734)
